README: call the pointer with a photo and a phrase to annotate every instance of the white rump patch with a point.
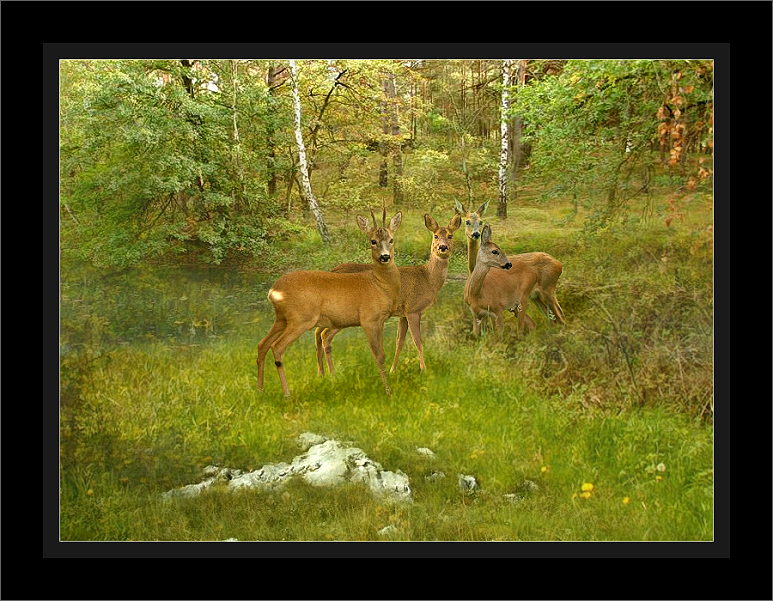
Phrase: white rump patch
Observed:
(275, 295)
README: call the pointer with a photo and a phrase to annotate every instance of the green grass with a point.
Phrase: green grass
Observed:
(156, 416)
(150, 396)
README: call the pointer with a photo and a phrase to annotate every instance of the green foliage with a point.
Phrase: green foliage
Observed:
(147, 163)
(158, 381)
(594, 125)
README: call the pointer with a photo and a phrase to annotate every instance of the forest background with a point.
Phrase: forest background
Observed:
(182, 197)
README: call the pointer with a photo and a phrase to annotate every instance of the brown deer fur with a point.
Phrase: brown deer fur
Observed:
(303, 300)
(538, 270)
(419, 287)
(489, 292)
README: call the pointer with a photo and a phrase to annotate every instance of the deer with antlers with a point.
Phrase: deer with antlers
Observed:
(303, 300)
(532, 276)
(419, 287)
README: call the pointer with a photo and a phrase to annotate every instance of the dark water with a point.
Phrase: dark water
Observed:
(179, 305)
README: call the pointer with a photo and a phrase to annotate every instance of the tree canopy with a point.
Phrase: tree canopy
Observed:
(198, 158)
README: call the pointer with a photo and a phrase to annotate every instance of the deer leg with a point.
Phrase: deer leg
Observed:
(475, 323)
(288, 336)
(318, 345)
(541, 305)
(522, 315)
(263, 346)
(375, 333)
(402, 328)
(499, 324)
(556, 308)
(414, 323)
(327, 340)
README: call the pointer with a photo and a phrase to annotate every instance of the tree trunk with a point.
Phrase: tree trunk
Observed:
(390, 88)
(516, 128)
(467, 181)
(383, 146)
(303, 167)
(187, 81)
(236, 140)
(503, 155)
(271, 160)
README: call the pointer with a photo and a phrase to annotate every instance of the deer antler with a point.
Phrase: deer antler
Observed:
(373, 217)
(383, 215)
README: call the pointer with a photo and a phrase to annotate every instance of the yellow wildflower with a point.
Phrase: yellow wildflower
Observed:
(544, 468)
(658, 478)
(586, 487)
(90, 492)
(585, 495)
(626, 500)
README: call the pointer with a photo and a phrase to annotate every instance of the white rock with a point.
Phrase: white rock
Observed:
(434, 476)
(327, 463)
(309, 439)
(467, 483)
(425, 451)
(214, 475)
(387, 530)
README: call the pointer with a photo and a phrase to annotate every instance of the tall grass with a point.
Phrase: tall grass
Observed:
(158, 381)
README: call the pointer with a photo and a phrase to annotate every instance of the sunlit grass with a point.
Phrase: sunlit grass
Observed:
(156, 416)
(159, 375)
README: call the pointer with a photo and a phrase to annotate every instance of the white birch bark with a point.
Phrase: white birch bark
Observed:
(503, 155)
(303, 166)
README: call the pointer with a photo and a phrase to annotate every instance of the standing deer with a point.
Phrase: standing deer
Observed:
(539, 271)
(489, 292)
(303, 300)
(419, 287)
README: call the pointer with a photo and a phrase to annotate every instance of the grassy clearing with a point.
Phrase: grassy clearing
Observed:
(153, 418)
(158, 380)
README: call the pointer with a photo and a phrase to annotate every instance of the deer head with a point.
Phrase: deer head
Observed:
(489, 254)
(381, 237)
(473, 222)
(443, 237)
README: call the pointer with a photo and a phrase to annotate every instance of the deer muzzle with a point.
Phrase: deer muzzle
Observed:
(507, 265)
(384, 258)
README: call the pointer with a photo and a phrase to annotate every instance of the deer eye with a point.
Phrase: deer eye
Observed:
(450, 236)
(392, 241)
(435, 236)
(372, 241)
(467, 222)
(494, 252)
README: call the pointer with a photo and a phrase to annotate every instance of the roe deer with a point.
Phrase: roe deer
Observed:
(306, 299)
(489, 292)
(419, 287)
(538, 267)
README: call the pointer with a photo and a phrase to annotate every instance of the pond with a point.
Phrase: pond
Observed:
(178, 305)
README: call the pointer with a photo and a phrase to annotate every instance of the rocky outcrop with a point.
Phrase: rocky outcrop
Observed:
(325, 463)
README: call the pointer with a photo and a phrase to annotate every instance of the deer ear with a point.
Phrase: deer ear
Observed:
(363, 223)
(483, 207)
(430, 223)
(455, 222)
(395, 222)
(485, 235)
(459, 207)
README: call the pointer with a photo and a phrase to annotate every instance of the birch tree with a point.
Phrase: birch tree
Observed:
(503, 155)
(302, 163)
(515, 132)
